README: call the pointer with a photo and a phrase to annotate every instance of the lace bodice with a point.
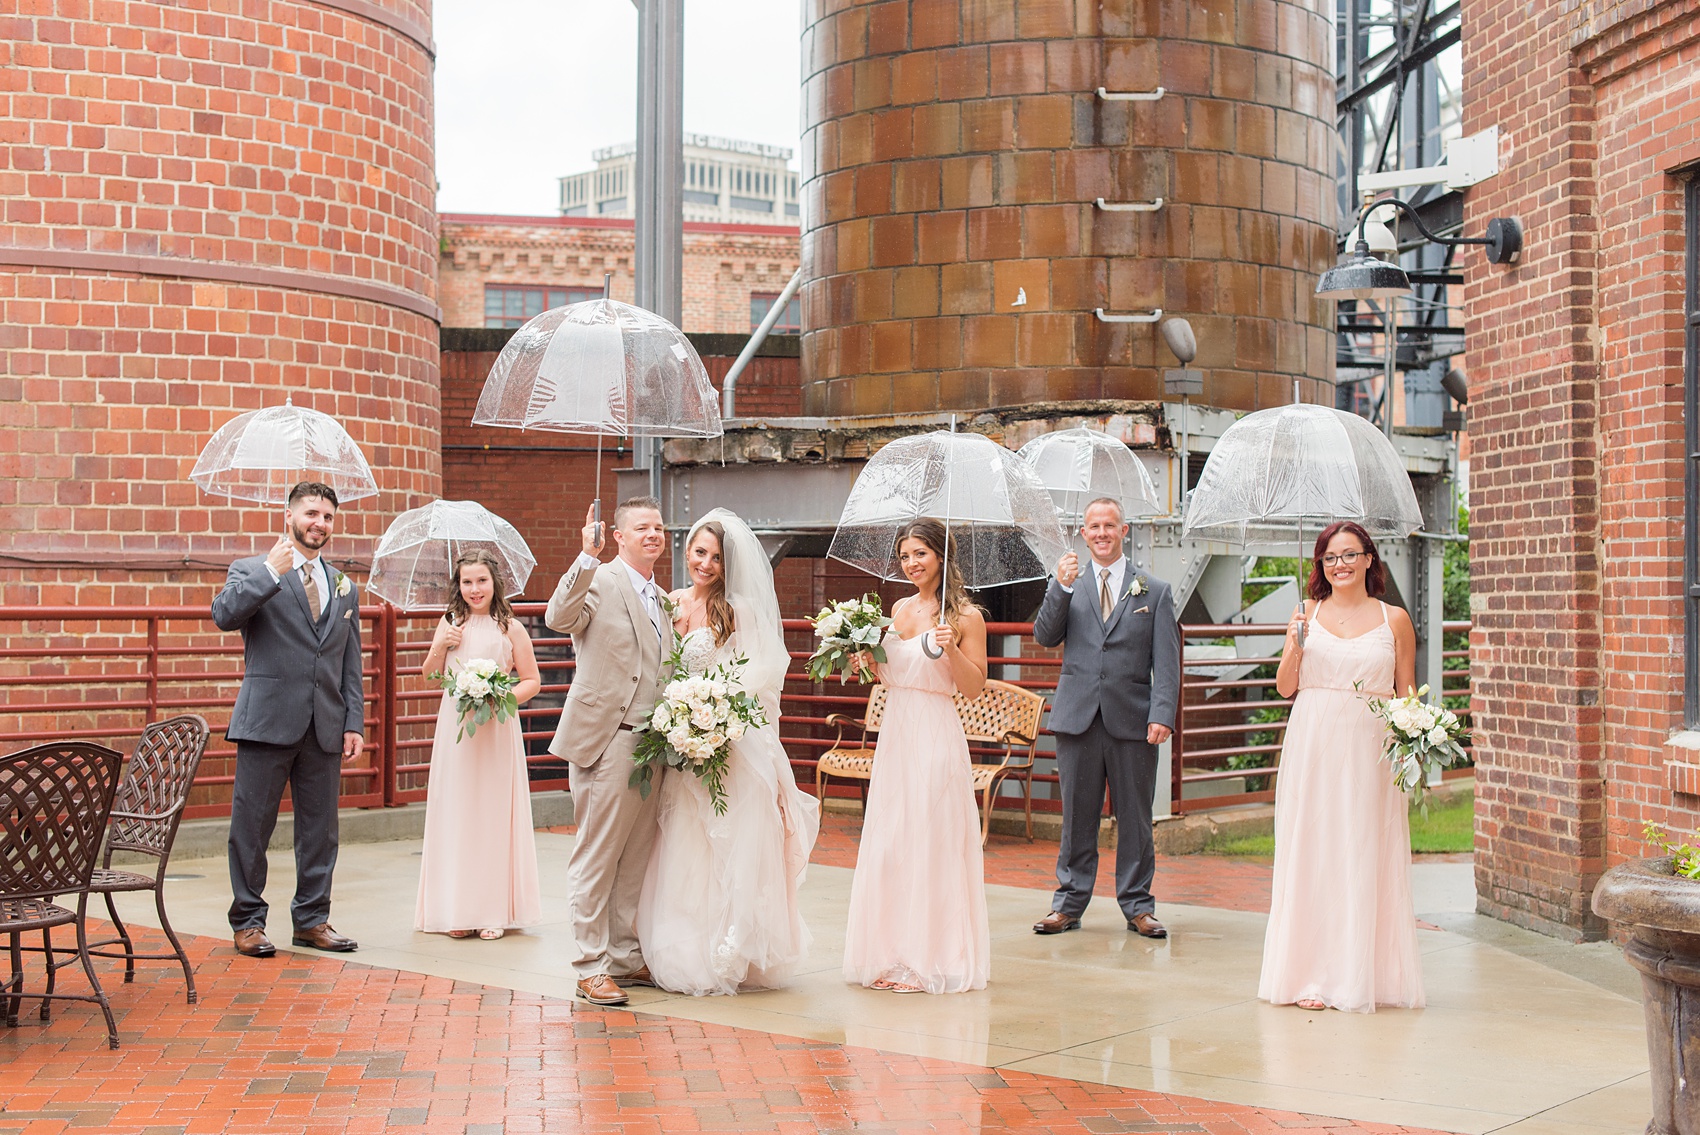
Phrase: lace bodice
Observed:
(699, 653)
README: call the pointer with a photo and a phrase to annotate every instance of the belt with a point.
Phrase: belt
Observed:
(626, 727)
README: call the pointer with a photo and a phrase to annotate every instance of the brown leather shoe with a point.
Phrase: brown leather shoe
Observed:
(639, 976)
(322, 937)
(1055, 923)
(253, 943)
(1147, 926)
(601, 990)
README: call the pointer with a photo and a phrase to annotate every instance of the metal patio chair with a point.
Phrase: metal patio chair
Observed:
(54, 804)
(145, 816)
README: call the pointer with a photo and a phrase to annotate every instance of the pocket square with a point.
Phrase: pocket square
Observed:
(348, 614)
(1142, 610)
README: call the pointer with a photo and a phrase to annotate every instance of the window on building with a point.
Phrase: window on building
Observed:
(789, 323)
(700, 197)
(1691, 463)
(616, 205)
(752, 204)
(510, 305)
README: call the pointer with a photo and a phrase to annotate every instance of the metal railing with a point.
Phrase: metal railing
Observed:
(101, 673)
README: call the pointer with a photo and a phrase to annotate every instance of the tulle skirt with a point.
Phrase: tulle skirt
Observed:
(719, 911)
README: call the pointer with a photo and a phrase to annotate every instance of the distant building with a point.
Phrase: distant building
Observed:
(499, 271)
(726, 182)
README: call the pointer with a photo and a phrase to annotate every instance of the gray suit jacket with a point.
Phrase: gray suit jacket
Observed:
(1128, 669)
(618, 657)
(294, 673)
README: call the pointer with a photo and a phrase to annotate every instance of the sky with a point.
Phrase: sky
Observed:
(526, 89)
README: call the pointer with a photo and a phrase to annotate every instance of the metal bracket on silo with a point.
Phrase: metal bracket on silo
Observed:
(1130, 96)
(1130, 206)
(1151, 316)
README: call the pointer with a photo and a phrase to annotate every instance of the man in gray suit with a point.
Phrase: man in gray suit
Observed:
(299, 715)
(1115, 703)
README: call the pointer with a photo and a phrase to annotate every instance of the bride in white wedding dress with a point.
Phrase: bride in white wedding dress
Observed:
(719, 910)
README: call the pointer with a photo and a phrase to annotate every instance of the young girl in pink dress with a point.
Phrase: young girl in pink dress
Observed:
(1342, 933)
(918, 898)
(479, 871)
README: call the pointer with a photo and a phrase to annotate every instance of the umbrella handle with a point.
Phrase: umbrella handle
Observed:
(596, 519)
(930, 650)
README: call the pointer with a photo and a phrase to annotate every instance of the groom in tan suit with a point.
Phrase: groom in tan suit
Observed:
(614, 613)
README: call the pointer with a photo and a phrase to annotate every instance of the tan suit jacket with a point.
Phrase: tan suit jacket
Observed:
(619, 659)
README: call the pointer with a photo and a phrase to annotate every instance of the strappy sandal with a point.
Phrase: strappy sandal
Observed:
(492, 934)
(903, 987)
(462, 933)
(879, 983)
(1311, 1004)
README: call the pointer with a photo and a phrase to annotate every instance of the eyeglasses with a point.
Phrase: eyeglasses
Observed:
(1347, 558)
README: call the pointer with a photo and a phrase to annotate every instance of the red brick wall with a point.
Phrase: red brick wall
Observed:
(1576, 430)
(283, 157)
(724, 264)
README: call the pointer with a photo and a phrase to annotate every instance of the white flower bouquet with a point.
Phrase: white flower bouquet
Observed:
(1420, 737)
(482, 691)
(847, 628)
(695, 721)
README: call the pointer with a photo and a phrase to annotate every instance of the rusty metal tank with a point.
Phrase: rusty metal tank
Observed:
(968, 175)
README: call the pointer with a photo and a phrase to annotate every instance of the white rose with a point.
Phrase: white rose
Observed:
(478, 688)
(735, 728)
(678, 737)
(830, 626)
(662, 720)
(713, 742)
(1437, 735)
(703, 717)
(483, 667)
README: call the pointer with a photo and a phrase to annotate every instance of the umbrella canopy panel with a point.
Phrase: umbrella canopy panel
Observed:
(1081, 465)
(411, 566)
(262, 454)
(600, 367)
(1001, 519)
(1278, 473)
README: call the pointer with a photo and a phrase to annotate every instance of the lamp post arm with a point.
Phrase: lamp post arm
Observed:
(1405, 208)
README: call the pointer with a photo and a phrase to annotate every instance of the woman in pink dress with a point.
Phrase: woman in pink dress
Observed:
(479, 871)
(918, 898)
(1342, 933)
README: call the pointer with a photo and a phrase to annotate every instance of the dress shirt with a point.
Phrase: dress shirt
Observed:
(1118, 577)
(643, 585)
(321, 582)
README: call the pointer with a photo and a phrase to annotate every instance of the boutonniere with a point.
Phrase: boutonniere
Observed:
(668, 607)
(343, 586)
(1138, 587)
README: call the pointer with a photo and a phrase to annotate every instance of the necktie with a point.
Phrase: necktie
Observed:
(312, 587)
(1104, 603)
(654, 604)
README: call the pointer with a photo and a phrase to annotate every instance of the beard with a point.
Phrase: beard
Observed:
(308, 537)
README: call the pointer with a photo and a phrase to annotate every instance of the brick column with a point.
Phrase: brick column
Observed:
(1535, 477)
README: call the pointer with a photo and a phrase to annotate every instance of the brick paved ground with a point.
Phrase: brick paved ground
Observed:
(322, 1046)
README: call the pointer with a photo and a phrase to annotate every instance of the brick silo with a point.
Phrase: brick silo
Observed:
(206, 207)
(954, 152)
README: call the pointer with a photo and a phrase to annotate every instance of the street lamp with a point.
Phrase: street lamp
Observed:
(1365, 276)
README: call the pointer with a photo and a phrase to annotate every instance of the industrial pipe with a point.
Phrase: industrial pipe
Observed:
(729, 386)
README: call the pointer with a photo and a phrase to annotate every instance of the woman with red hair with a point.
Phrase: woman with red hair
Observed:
(1342, 932)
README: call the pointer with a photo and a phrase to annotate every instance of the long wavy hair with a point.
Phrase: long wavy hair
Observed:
(500, 609)
(1375, 576)
(954, 601)
(722, 620)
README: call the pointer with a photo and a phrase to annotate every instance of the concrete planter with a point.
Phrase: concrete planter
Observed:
(1661, 913)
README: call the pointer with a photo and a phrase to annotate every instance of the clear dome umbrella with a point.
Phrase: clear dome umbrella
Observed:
(1277, 474)
(411, 566)
(1000, 517)
(600, 367)
(1078, 466)
(262, 454)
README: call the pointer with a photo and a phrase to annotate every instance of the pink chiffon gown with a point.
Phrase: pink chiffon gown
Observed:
(479, 870)
(918, 897)
(1341, 926)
